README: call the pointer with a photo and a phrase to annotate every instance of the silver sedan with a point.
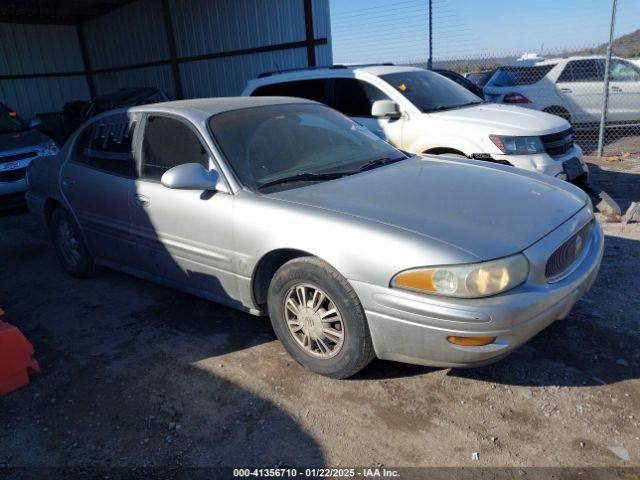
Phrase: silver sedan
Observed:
(285, 207)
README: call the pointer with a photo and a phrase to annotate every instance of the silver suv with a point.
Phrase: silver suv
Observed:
(20, 143)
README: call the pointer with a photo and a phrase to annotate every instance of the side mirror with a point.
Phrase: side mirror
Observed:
(385, 109)
(35, 122)
(190, 176)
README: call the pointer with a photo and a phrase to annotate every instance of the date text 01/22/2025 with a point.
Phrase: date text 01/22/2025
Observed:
(315, 473)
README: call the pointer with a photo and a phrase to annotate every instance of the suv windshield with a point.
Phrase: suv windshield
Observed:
(429, 91)
(284, 146)
(10, 122)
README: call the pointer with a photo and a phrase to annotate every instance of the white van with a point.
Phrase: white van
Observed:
(423, 112)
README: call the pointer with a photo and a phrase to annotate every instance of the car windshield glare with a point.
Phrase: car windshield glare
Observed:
(295, 142)
(429, 91)
(10, 121)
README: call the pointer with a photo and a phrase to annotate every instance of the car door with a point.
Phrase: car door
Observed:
(97, 181)
(354, 97)
(580, 87)
(624, 92)
(184, 237)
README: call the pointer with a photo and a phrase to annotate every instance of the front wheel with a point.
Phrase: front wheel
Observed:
(318, 318)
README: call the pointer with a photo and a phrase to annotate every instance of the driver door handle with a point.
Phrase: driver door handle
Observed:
(140, 200)
(616, 89)
(565, 90)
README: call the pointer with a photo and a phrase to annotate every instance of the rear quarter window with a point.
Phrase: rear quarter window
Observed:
(514, 76)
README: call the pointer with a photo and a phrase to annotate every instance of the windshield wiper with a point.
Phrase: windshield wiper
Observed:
(378, 162)
(302, 177)
(451, 107)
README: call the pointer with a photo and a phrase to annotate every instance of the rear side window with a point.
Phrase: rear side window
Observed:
(168, 142)
(107, 145)
(583, 71)
(513, 76)
(309, 89)
(355, 97)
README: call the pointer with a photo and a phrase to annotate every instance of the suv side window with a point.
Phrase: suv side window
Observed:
(106, 144)
(166, 143)
(591, 70)
(355, 97)
(310, 89)
(623, 72)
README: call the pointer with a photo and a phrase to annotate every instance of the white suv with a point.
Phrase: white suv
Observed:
(570, 87)
(422, 112)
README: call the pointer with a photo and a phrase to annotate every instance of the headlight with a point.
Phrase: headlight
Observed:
(49, 149)
(466, 281)
(589, 205)
(517, 145)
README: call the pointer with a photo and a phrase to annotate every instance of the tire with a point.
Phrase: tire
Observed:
(338, 345)
(69, 245)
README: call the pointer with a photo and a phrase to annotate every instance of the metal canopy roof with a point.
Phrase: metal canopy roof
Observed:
(55, 12)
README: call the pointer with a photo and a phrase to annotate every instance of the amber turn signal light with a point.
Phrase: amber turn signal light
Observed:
(471, 341)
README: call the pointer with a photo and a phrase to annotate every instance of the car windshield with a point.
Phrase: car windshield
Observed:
(284, 146)
(429, 91)
(10, 121)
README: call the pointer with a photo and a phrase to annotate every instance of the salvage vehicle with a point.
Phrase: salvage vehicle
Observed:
(421, 111)
(286, 207)
(20, 143)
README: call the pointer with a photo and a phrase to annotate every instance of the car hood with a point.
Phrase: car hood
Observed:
(483, 210)
(21, 140)
(503, 119)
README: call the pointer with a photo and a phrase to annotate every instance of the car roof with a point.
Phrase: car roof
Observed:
(550, 61)
(202, 108)
(329, 72)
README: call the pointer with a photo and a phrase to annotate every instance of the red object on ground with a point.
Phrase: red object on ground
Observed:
(16, 362)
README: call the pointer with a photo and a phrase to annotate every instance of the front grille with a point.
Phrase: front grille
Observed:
(567, 254)
(17, 156)
(557, 144)
(13, 175)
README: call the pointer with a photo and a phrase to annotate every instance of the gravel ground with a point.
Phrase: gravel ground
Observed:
(134, 374)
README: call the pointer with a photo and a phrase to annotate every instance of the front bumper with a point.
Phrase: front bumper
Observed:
(544, 163)
(8, 188)
(413, 328)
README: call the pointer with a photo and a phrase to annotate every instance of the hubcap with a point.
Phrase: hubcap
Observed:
(314, 320)
(69, 245)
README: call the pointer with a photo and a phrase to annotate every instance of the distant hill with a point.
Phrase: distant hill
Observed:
(625, 46)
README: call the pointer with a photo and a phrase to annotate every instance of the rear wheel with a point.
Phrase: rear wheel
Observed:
(318, 318)
(69, 246)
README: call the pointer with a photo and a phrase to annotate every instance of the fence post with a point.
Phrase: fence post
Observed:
(605, 92)
(429, 60)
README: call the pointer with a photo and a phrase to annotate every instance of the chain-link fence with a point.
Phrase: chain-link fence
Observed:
(546, 56)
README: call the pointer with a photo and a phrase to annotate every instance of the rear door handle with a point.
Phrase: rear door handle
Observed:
(68, 182)
(565, 90)
(140, 200)
(616, 89)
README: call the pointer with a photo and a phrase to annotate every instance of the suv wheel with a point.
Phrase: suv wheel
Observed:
(318, 318)
(69, 246)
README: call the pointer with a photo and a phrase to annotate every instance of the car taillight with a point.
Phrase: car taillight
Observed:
(515, 97)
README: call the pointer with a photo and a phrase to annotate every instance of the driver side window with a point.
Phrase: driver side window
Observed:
(623, 72)
(167, 143)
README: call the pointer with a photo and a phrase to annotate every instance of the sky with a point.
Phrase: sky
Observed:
(397, 30)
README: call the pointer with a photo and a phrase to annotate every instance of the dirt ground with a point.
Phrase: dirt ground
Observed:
(134, 375)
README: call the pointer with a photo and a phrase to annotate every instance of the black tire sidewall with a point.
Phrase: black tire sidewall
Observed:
(85, 267)
(357, 350)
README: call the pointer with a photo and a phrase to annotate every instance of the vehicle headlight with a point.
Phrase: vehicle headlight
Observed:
(466, 281)
(49, 149)
(589, 205)
(517, 145)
